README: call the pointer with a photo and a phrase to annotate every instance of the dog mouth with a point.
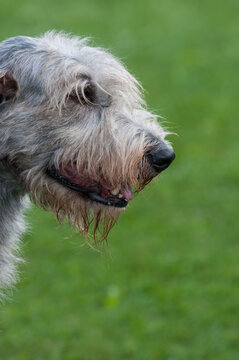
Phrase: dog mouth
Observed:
(98, 192)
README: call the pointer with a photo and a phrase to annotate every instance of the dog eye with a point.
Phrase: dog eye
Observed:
(84, 95)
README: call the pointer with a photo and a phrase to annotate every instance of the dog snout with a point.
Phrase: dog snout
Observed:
(161, 158)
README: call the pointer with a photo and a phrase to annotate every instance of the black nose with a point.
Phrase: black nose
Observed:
(161, 158)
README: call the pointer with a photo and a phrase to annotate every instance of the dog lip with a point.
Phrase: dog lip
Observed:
(92, 192)
(119, 203)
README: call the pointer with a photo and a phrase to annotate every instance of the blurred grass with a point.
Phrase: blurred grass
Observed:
(170, 289)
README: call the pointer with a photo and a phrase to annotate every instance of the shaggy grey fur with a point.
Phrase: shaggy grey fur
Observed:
(74, 134)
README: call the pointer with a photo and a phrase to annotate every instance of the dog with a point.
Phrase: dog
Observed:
(75, 136)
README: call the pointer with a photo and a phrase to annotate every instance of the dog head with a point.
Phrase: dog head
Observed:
(76, 130)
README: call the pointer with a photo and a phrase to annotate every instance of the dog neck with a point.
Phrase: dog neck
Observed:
(13, 202)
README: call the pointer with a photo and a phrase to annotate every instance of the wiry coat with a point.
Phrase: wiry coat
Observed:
(66, 105)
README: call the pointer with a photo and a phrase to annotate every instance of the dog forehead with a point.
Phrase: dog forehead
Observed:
(77, 55)
(71, 58)
(55, 62)
(74, 50)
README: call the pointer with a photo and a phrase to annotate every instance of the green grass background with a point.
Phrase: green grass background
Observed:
(169, 289)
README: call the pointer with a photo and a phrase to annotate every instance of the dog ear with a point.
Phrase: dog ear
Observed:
(8, 87)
